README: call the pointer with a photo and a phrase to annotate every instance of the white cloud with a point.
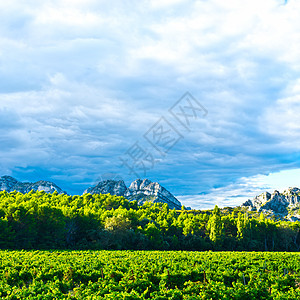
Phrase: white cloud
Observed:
(243, 189)
(86, 79)
(163, 3)
(281, 120)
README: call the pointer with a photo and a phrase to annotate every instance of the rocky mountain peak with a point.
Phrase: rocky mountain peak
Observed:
(141, 190)
(7, 183)
(292, 191)
(146, 190)
(276, 203)
(113, 187)
(10, 184)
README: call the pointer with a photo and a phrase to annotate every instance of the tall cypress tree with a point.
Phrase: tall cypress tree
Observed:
(215, 225)
(240, 226)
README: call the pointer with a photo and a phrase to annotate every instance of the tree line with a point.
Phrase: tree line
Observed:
(38, 220)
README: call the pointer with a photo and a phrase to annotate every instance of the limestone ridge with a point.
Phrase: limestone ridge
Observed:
(10, 184)
(145, 190)
(139, 190)
(284, 204)
(112, 187)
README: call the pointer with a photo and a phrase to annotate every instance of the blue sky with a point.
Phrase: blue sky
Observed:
(82, 82)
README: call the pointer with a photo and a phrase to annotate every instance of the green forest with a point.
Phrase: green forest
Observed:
(38, 220)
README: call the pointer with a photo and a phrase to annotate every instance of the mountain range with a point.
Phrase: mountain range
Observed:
(285, 205)
(139, 190)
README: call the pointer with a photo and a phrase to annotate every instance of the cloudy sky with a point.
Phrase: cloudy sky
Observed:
(89, 88)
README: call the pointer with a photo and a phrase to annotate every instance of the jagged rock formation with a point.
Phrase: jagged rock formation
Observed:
(145, 190)
(10, 184)
(7, 183)
(112, 187)
(139, 190)
(286, 204)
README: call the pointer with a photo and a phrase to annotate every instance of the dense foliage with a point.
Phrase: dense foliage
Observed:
(153, 275)
(38, 220)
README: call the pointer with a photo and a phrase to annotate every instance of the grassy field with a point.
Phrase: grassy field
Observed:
(149, 275)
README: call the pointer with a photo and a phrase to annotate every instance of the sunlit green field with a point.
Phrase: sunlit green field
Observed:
(149, 275)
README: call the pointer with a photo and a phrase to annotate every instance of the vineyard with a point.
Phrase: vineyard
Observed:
(149, 275)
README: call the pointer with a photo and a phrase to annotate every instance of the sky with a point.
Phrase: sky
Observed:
(200, 96)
